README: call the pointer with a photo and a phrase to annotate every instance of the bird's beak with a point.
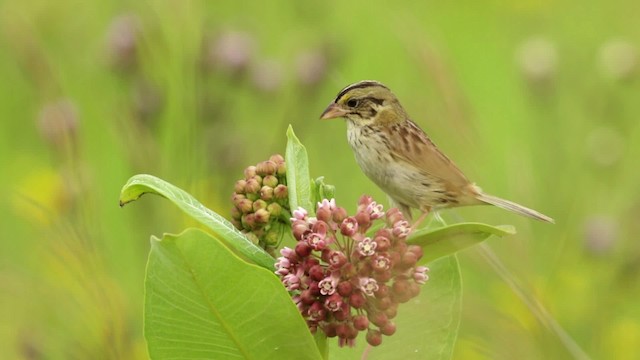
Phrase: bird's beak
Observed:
(333, 111)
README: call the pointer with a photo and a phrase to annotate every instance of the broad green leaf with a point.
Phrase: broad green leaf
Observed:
(203, 302)
(450, 239)
(427, 326)
(142, 184)
(298, 178)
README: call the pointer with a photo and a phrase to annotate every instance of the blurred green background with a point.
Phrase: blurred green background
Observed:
(537, 101)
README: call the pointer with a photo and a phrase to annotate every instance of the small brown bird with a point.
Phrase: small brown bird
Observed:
(401, 159)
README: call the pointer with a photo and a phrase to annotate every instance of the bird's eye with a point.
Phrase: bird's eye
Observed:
(352, 103)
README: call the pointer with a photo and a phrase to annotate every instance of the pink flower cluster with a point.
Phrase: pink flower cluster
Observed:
(345, 281)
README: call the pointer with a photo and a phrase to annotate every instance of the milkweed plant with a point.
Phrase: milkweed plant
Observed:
(293, 273)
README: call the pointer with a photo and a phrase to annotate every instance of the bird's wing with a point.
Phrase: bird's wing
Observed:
(411, 145)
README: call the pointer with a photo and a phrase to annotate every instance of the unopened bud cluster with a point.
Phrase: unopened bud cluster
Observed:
(260, 200)
(344, 281)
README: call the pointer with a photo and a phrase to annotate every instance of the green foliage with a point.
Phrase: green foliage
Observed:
(298, 179)
(203, 302)
(452, 238)
(222, 228)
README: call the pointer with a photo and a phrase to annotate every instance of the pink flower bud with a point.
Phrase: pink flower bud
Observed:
(277, 158)
(252, 186)
(339, 214)
(357, 300)
(323, 214)
(316, 273)
(388, 329)
(239, 186)
(262, 216)
(249, 172)
(266, 168)
(345, 288)
(420, 275)
(374, 337)
(360, 322)
(303, 249)
(270, 181)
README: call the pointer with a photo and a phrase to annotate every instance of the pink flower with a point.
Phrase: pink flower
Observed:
(367, 247)
(328, 285)
(299, 214)
(420, 275)
(376, 210)
(368, 286)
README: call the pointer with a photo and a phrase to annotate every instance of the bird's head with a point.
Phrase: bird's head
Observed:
(365, 103)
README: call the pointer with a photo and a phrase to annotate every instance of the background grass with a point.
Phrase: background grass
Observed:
(536, 100)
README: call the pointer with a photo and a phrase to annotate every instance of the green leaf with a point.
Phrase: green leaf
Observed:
(298, 178)
(203, 302)
(142, 184)
(323, 191)
(427, 326)
(450, 239)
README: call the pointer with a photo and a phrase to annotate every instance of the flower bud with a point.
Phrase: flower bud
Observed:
(306, 297)
(339, 214)
(252, 186)
(408, 260)
(303, 249)
(239, 186)
(323, 214)
(270, 180)
(272, 237)
(344, 312)
(374, 337)
(275, 209)
(383, 243)
(378, 318)
(245, 206)
(330, 329)
(249, 172)
(280, 192)
(248, 221)
(357, 300)
(360, 322)
(317, 273)
(416, 250)
(282, 169)
(393, 216)
(388, 329)
(345, 288)
(266, 193)
(235, 213)
(383, 303)
(392, 311)
(277, 158)
(266, 168)
(259, 204)
(262, 216)
(299, 229)
(364, 219)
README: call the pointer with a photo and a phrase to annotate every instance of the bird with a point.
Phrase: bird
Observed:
(399, 157)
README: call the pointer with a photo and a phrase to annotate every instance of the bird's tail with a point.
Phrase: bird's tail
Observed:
(513, 207)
